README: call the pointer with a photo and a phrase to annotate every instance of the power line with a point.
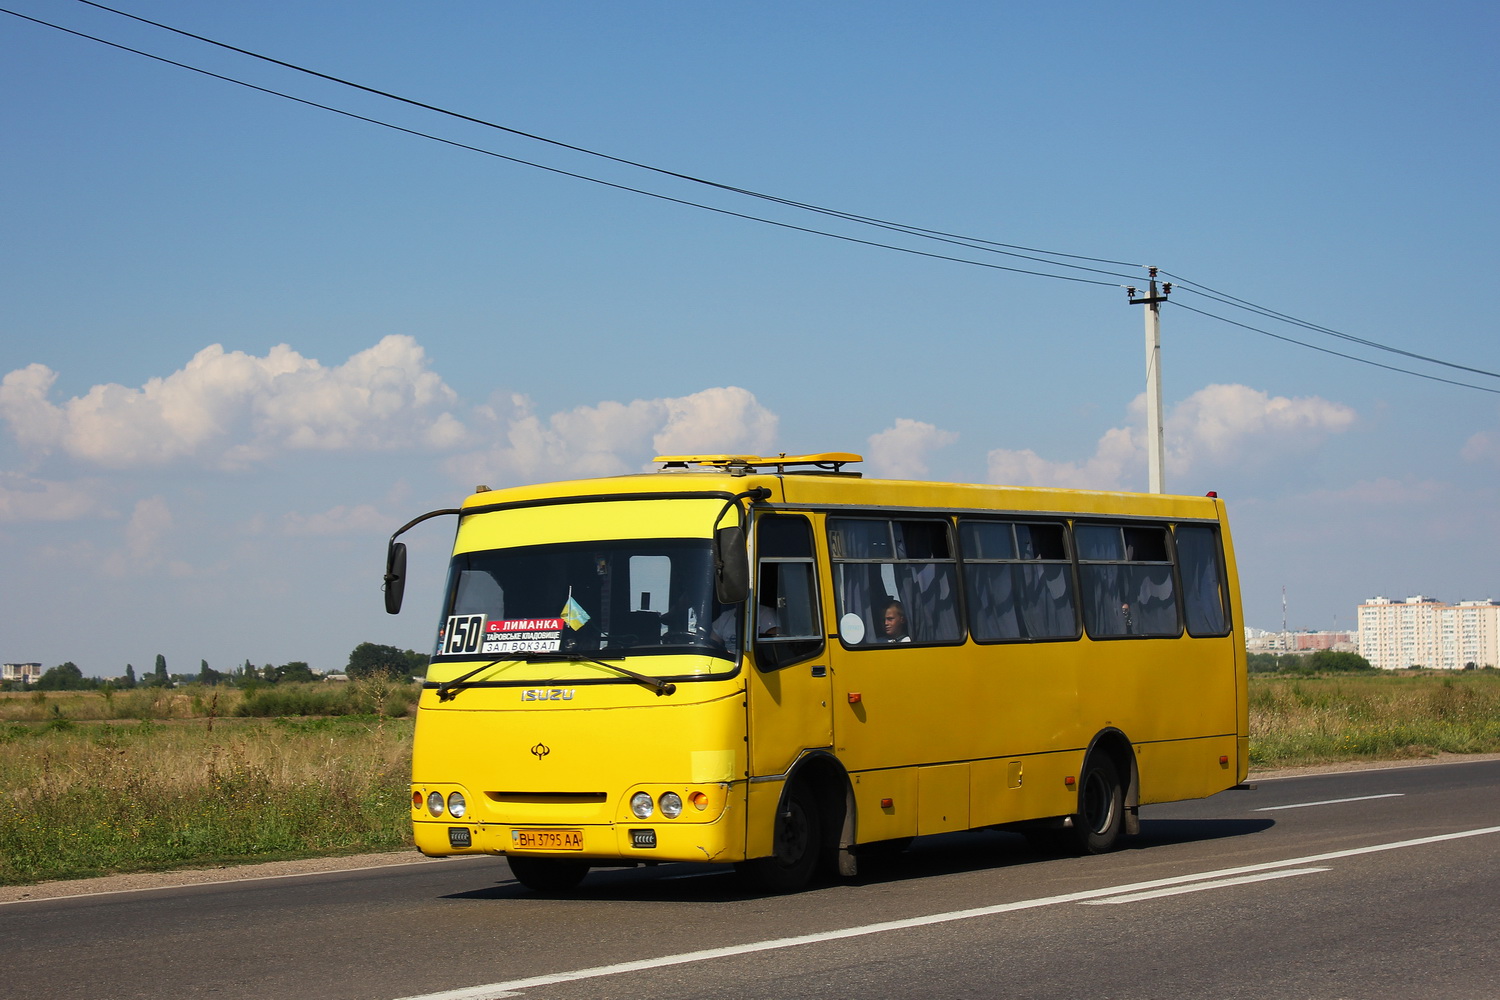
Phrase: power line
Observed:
(569, 173)
(1337, 354)
(1229, 300)
(973, 242)
(967, 242)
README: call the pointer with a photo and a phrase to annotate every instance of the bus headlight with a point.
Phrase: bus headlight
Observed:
(435, 803)
(641, 805)
(671, 805)
(456, 805)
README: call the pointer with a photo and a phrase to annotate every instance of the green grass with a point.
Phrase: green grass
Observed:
(82, 799)
(151, 780)
(1316, 720)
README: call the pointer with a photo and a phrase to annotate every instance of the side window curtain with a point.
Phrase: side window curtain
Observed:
(789, 628)
(895, 581)
(1019, 581)
(1126, 575)
(1202, 568)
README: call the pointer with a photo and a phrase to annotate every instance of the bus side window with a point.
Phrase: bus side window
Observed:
(786, 584)
(1018, 579)
(896, 581)
(1126, 575)
(1203, 591)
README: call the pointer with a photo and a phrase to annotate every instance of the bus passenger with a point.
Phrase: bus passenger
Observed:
(726, 628)
(895, 622)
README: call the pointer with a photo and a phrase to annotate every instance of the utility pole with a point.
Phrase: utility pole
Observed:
(1155, 459)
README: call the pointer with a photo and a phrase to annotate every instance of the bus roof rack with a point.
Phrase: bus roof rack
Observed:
(832, 461)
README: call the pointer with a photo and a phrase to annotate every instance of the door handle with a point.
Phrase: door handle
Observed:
(820, 671)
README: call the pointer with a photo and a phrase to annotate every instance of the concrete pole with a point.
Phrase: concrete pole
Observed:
(1154, 435)
(1155, 453)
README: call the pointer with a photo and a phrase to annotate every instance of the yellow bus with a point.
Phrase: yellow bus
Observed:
(778, 663)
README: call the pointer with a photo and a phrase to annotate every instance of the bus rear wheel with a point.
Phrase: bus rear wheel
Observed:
(798, 844)
(547, 874)
(1101, 807)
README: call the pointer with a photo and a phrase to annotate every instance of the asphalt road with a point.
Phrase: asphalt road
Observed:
(1368, 884)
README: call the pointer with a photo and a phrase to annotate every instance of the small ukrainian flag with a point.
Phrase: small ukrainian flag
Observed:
(573, 614)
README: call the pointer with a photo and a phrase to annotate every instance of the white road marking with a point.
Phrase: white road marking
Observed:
(1220, 883)
(1332, 802)
(495, 991)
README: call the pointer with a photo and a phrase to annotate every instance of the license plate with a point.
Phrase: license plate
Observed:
(548, 840)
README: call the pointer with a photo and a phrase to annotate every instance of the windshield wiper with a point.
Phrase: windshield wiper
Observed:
(448, 690)
(656, 684)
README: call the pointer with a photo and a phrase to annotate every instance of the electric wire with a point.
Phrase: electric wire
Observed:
(972, 241)
(565, 173)
(968, 242)
(1337, 354)
(1225, 298)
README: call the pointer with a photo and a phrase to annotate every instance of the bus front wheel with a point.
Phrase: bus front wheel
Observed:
(1101, 807)
(547, 874)
(798, 841)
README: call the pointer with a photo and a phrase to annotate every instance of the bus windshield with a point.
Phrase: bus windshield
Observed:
(630, 597)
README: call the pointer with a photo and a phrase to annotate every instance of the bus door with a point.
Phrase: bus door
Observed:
(788, 682)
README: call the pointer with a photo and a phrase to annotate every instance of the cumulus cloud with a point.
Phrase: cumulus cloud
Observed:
(1482, 448)
(900, 451)
(611, 438)
(1212, 423)
(1218, 425)
(339, 520)
(25, 499)
(148, 541)
(232, 409)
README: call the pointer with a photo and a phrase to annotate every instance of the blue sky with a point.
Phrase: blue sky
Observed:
(245, 339)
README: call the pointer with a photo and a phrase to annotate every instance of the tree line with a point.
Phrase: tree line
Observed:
(368, 659)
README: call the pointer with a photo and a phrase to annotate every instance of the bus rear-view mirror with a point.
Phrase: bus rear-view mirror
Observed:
(395, 577)
(731, 565)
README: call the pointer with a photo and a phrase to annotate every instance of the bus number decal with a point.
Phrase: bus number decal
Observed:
(463, 634)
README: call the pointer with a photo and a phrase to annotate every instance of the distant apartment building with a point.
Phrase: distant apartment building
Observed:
(1259, 641)
(1425, 632)
(26, 673)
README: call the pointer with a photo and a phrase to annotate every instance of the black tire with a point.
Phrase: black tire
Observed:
(547, 874)
(798, 843)
(1101, 807)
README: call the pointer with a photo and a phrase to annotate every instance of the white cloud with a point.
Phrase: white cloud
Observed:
(900, 451)
(1218, 425)
(1482, 448)
(1212, 423)
(25, 499)
(231, 409)
(612, 438)
(148, 538)
(339, 520)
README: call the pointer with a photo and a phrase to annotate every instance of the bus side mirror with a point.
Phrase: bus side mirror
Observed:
(731, 565)
(395, 577)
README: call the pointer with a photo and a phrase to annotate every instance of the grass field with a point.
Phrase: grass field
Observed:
(1315, 720)
(148, 780)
